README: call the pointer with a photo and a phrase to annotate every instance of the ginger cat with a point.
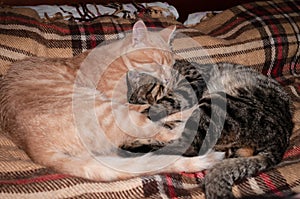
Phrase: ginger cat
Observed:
(70, 114)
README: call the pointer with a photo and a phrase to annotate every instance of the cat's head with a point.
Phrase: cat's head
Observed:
(143, 88)
(149, 51)
(146, 89)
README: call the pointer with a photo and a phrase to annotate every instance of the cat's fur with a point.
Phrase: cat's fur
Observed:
(68, 114)
(241, 112)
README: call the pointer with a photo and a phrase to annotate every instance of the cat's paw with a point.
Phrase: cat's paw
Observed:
(157, 112)
(212, 191)
(216, 184)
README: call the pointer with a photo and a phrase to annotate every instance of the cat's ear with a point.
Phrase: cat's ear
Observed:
(139, 33)
(168, 33)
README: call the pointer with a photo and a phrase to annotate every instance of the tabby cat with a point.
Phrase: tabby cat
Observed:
(240, 112)
(68, 113)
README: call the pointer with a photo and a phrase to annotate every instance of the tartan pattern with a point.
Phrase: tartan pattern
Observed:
(25, 35)
(262, 35)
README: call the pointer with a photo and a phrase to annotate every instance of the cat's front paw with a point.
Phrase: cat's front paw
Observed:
(211, 193)
(216, 185)
(157, 112)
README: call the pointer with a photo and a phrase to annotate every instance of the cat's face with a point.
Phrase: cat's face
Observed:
(146, 89)
(150, 51)
(143, 88)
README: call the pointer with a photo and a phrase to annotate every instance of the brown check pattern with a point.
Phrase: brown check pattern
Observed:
(263, 35)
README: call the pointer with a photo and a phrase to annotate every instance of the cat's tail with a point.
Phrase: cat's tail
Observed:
(220, 179)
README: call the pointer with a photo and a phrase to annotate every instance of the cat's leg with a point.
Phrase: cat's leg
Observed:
(170, 120)
(220, 179)
(84, 166)
(118, 123)
(188, 142)
(131, 123)
(174, 122)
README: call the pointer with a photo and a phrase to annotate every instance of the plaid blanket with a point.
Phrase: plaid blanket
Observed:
(263, 35)
(24, 34)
